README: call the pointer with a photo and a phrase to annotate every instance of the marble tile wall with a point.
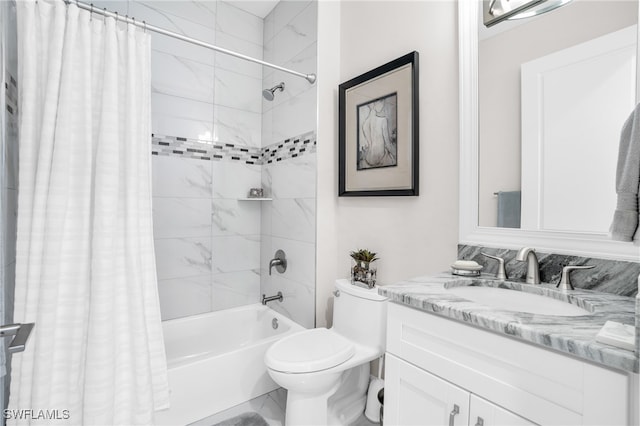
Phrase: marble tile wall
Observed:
(290, 39)
(182, 202)
(610, 276)
(207, 242)
(235, 235)
(198, 93)
(288, 222)
(209, 122)
(197, 195)
(208, 239)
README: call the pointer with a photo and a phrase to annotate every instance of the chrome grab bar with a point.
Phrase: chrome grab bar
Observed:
(21, 334)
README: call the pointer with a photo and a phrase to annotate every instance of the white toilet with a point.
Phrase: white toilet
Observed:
(326, 371)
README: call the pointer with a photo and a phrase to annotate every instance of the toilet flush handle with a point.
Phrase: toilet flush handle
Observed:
(336, 293)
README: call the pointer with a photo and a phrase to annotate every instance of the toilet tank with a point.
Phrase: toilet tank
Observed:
(360, 314)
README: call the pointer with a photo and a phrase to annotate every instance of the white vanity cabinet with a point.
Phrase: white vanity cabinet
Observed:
(435, 364)
(416, 397)
(484, 413)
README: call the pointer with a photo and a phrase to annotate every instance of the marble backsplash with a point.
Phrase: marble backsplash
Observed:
(609, 276)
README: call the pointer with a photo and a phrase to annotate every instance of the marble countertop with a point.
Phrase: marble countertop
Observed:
(574, 335)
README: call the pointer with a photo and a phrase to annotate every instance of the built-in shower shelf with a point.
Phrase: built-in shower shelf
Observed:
(254, 199)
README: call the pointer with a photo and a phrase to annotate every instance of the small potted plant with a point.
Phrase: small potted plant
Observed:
(362, 272)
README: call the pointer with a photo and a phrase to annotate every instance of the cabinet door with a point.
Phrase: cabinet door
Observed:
(484, 413)
(415, 397)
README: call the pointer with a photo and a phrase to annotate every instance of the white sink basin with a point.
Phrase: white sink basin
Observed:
(518, 301)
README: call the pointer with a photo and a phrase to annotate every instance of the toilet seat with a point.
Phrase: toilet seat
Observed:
(308, 351)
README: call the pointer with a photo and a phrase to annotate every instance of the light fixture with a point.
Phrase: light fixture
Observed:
(496, 11)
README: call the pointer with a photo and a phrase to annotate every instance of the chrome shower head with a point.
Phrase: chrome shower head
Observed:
(269, 94)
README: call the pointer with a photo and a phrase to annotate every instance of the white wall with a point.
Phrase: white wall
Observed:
(413, 235)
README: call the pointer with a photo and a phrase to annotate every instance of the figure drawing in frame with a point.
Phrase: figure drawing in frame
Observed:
(377, 133)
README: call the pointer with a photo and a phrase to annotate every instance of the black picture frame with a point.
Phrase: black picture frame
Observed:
(379, 131)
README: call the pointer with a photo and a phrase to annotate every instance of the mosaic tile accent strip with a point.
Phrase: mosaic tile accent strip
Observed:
(204, 150)
(290, 148)
(207, 150)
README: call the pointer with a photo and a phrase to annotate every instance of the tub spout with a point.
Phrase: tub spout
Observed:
(277, 297)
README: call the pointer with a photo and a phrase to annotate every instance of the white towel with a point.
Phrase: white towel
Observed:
(625, 218)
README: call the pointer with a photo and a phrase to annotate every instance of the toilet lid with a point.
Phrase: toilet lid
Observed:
(309, 350)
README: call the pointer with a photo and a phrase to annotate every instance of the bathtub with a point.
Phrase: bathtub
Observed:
(216, 360)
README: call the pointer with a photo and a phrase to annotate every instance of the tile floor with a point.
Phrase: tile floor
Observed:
(270, 406)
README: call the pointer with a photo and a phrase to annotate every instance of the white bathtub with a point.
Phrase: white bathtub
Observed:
(216, 360)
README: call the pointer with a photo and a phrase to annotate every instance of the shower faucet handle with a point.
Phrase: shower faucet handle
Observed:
(279, 261)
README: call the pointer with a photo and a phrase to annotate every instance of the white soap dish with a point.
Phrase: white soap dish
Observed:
(467, 268)
(465, 273)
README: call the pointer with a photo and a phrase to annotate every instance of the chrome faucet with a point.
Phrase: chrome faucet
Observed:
(527, 254)
(279, 261)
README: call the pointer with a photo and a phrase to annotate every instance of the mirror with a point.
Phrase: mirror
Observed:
(570, 150)
(554, 92)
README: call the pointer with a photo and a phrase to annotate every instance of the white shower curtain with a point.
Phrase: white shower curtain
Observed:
(85, 259)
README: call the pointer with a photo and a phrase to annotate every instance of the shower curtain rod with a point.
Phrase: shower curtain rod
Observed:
(311, 78)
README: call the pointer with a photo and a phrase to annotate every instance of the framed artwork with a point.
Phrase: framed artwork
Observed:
(378, 131)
